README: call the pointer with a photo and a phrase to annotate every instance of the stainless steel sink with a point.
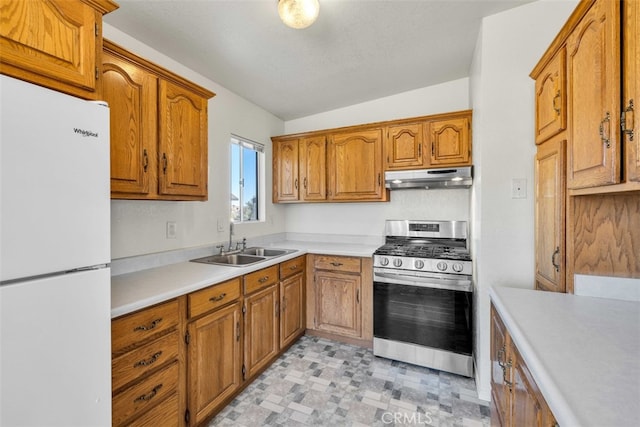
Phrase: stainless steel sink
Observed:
(243, 258)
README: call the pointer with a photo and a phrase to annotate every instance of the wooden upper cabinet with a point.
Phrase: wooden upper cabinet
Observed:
(313, 168)
(631, 87)
(53, 43)
(182, 141)
(450, 141)
(593, 80)
(158, 129)
(404, 146)
(285, 171)
(550, 215)
(129, 90)
(355, 166)
(551, 98)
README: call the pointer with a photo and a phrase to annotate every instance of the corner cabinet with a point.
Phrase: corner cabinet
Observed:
(54, 43)
(515, 397)
(355, 166)
(159, 130)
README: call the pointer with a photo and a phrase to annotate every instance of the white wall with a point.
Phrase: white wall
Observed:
(368, 218)
(138, 227)
(502, 97)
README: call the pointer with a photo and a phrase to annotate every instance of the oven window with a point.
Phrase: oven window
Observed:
(437, 318)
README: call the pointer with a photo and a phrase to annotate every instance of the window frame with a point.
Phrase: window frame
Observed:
(259, 149)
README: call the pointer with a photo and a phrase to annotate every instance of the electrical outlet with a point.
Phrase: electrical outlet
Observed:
(172, 229)
(519, 188)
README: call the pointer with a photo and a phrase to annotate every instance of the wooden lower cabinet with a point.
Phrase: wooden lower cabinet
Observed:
(261, 330)
(214, 355)
(338, 303)
(291, 309)
(515, 398)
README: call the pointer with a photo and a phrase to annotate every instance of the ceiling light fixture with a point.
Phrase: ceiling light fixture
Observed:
(298, 14)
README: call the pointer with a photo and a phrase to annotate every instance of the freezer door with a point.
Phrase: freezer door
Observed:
(54, 181)
(55, 351)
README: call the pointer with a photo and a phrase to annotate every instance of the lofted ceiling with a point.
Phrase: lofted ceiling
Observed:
(357, 50)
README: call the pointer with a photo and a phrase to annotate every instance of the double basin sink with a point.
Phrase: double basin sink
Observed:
(245, 257)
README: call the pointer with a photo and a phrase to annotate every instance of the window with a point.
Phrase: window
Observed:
(246, 161)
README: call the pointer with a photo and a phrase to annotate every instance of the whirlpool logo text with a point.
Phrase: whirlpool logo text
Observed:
(84, 132)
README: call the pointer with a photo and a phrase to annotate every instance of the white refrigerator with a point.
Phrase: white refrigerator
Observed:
(55, 336)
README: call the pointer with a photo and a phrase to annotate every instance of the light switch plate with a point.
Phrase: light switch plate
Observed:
(172, 229)
(519, 188)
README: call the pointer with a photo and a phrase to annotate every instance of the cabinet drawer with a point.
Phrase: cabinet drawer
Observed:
(165, 414)
(137, 327)
(145, 395)
(337, 263)
(291, 267)
(213, 297)
(138, 362)
(260, 279)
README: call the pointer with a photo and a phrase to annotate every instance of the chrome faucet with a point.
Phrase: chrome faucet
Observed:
(230, 235)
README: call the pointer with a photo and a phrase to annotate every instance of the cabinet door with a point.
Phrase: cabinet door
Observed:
(631, 88)
(182, 142)
(131, 93)
(291, 309)
(338, 303)
(551, 98)
(500, 391)
(285, 171)
(450, 144)
(550, 215)
(214, 360)
(313, 170)
(355, 166)
(403, 146)
(593, 80)
(261, 328)
(527, 410)
(52, 43)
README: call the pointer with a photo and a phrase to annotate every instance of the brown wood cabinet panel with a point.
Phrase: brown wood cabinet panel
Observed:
(293, 266)
(144, 395)
(631, 87)
(138, 362)
(355, 166)
(313, 168)
(337, 263)
(450, 141)
(183, 145)
(132, 96)
(593, 80)
(54, 43)
(404, 145)
(292, 323)
(551, 98)
(137, 327)
(166, 414)
(527, 410)
(261, 328)
(500, 391)
(337, 298)
(215, 356)
(213, 297)
(285, 171)
(260, 279)
(550, 214)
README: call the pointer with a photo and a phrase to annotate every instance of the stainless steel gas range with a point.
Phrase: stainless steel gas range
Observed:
(423, 295)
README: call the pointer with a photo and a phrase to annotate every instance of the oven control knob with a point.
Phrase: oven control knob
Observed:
(418, 263)
(397, 262)
(384, 261)
(442, 266)
(457, 267)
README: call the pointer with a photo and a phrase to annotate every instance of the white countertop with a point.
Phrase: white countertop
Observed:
(133, 291)
(583, 352)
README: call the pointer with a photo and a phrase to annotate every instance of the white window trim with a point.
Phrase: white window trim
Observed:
(260, 148)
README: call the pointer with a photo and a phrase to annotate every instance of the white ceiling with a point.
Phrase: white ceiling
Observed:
(357, 50)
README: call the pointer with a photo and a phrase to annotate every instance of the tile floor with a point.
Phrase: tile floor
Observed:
(319, 382)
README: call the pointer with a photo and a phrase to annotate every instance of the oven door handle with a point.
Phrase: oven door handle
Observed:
(423, 282)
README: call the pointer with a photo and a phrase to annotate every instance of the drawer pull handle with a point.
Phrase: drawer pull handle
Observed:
(218, 298)
(553, 102)
(263, 279)
(149, 361)
(605, 138)
(553, 259)
(148, 397)
(336, 264)
(148, 328)
(293, 267)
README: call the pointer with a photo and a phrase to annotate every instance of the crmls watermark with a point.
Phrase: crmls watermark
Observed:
(400, 418)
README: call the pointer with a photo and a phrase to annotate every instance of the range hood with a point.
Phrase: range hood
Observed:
(429, 178)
